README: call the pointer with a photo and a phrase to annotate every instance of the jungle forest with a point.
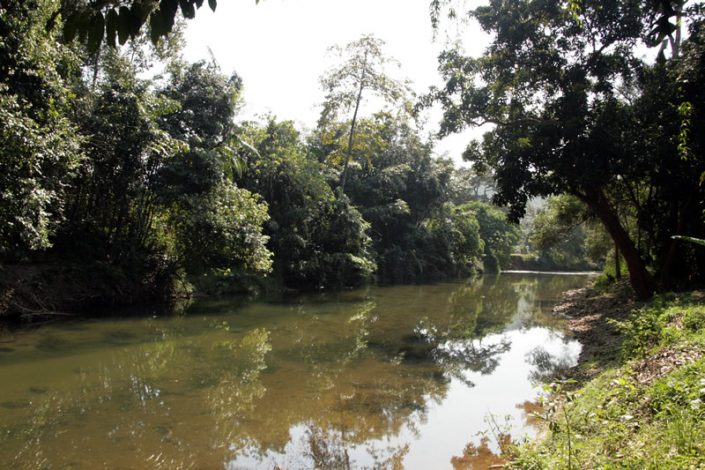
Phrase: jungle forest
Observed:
(126, 188)
(129, 178)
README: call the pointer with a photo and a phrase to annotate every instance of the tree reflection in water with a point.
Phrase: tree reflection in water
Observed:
(477, 456)
(547, 366)
(335, 381)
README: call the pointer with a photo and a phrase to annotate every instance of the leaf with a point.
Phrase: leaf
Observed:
(111, 26)
(157, 27)
(212, 4)
(187, 8)
(170, 7)
(71, 26)
(697, 241)
(167, 10)
(139, 13)
(83, 25)
(95, 32)
(51, 22)
(123, 25)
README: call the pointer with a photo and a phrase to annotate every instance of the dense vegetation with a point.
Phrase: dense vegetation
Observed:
(126, 176)
(119, 185)
(575, 109)
(153, 180)
(645, 407)
(563, 234)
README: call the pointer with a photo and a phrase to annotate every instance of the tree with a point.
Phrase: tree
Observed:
(661, 30)
(217, 225)
(112, 203)
(467, 185)
(498, 234)
(40, 146)
(318, 237)
(566, 236)
(222, 230)
(562, 87)
(115, 21)
(362, 70)
(202, 114)
(403, 192)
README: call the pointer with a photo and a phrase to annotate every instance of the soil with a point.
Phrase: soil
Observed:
(589, 312)
(660, 364)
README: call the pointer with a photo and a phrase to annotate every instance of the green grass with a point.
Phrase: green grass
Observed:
(646, 412)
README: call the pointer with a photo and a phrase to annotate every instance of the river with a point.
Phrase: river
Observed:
(382, 377)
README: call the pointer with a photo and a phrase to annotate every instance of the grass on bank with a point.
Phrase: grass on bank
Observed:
(647, 411)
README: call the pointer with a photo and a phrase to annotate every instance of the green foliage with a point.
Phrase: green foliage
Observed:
(221, 230)
(456, 236)
(403, 194)
(467, 184)
(498, 234)
(681, 389)
(318, 238)
(566, 237)
(36, 160)
(217, 225)
(646, 413)
(40, 145)
(362, 69)
(361, 72)
(113, 21)
(153, 183)
(555, 89)
(418, 234)
(111, 203)
(664, 322)
(641, 332)
(344, 259)
(145, 191)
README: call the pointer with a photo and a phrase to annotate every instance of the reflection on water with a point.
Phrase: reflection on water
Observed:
(394, 377)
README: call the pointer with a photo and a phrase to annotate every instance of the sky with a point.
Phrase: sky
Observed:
(280, 49)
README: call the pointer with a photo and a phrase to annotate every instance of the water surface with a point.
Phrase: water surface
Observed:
(384, 377)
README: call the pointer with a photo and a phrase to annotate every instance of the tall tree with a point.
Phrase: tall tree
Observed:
(362, 71)
(318, 237)
(563, 88)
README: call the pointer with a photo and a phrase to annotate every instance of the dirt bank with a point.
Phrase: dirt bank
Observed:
(40, 292)
(589, 312)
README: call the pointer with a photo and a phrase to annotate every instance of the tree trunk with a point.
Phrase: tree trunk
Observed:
(343, 176)
(617, 264)
(639, 277)
(678, 220)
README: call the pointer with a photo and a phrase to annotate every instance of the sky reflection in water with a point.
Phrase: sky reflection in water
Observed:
(384, 377)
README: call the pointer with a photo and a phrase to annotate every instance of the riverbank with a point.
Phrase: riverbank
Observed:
(39, 292)
(637, 397)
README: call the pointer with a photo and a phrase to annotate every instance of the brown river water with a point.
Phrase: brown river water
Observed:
(382, 377)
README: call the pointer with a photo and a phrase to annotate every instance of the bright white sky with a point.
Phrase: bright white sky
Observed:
(279, 48)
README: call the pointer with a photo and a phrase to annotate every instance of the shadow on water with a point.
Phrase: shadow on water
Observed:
(374, 378)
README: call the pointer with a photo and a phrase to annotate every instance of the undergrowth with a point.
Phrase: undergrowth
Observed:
(646, 412)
